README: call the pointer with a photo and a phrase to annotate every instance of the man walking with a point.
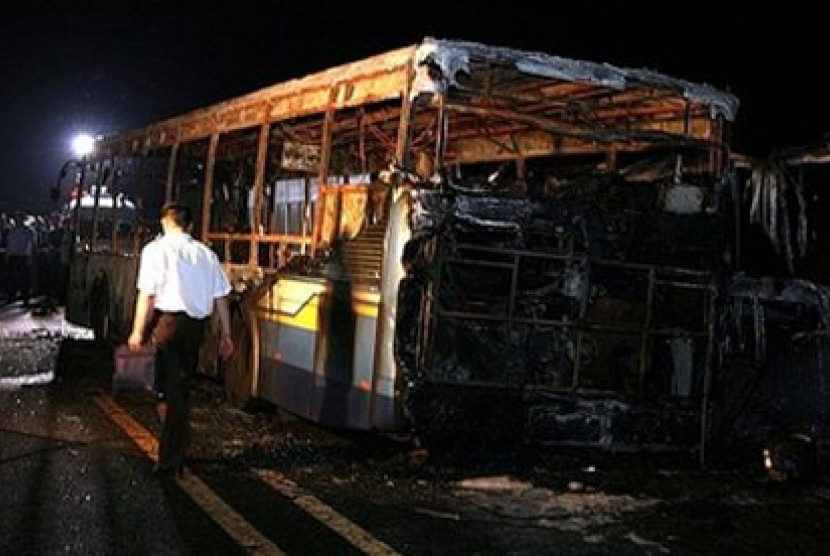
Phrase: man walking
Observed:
(180, 283)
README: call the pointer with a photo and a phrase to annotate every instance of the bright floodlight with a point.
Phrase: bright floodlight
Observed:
(82, 144)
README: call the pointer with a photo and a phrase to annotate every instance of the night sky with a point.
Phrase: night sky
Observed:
(102, 67)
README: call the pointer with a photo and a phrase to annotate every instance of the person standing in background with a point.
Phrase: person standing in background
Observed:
(20, 245)
(5, 226)
(180, 283)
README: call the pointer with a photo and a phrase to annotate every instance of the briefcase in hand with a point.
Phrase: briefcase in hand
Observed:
(134, 369)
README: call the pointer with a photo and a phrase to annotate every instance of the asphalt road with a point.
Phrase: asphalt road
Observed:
(75, 478)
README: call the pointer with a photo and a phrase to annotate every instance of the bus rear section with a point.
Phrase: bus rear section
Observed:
(580, 316)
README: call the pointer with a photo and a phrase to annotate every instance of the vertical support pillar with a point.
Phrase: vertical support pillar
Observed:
(207, 187)
(440, 135)
(114, 247)
(611, 158)
(171, 172)
(717, 157)
(737, 195)
(645, 333)
(323, 170)
(577, 358)
(307, 221)
(79, 192)
(259, 181)
(361, 141)
(96, 206)
(402, 146)
(710, 322)
(384, 360)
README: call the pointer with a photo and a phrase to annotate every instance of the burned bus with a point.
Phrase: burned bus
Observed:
(453, 237)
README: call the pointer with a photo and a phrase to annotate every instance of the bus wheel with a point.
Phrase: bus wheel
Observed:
(238, 369)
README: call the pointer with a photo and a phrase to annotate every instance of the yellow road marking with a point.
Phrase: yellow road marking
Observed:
(235, 525)
(141, 436)
(335, 521)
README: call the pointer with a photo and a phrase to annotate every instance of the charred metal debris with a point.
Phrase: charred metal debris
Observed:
(603, 309)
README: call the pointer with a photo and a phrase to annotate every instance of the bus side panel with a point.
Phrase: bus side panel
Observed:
(317, 353)
(386, 414)
(343, 380)
(384, 407)
(288, 323)
(286, 366)
(102, 294)
(77, 304)
(123, 272)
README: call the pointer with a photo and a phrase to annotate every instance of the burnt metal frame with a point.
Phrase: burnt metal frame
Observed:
(697, 280)
(702, 281)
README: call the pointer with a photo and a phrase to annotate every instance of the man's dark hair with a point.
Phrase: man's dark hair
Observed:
(180, 214)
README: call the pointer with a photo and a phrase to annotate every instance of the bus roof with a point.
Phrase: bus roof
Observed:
(435, 65)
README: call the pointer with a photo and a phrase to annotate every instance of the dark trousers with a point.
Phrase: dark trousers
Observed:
(177, 338)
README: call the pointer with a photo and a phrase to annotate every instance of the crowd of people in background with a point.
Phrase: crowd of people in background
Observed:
(34, 259)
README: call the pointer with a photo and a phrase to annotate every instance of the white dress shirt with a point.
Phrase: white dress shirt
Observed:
(182, 274)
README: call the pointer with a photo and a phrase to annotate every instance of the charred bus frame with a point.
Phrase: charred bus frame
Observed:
(448, 154)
